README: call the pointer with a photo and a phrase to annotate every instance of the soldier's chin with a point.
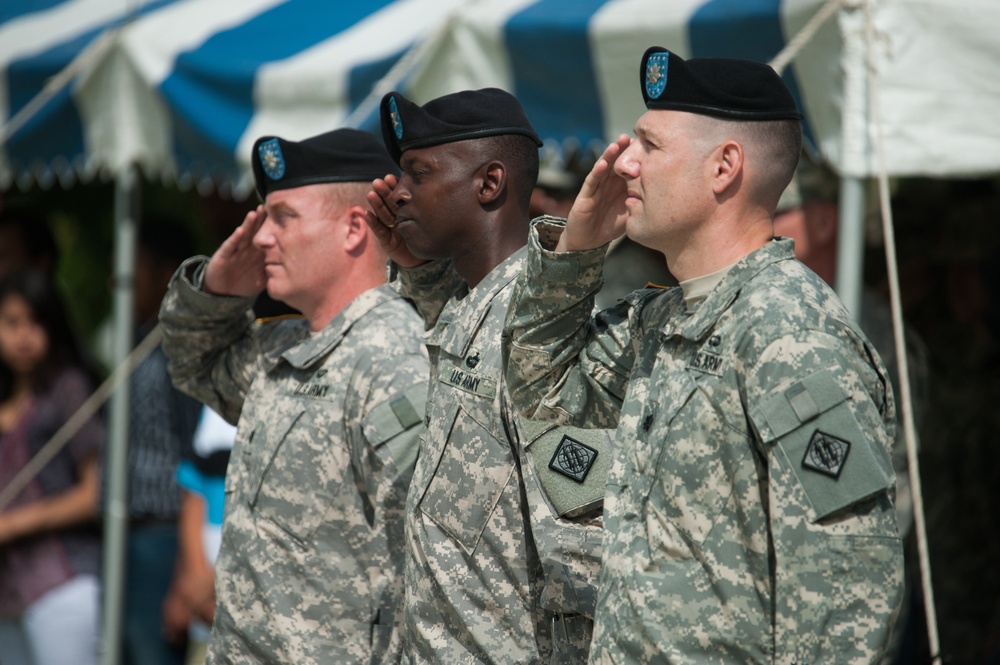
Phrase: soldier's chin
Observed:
(274, 291)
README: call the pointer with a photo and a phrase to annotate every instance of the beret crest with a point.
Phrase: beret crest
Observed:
(469, 114)
(721, 87)
(342, 155)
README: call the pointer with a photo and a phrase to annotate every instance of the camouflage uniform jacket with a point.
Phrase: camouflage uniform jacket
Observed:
(310, 567)
(749, 514)
(492, 570)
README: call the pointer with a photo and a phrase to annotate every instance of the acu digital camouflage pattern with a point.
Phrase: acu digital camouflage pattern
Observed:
(310, 568)
(491, 570)
(749, 514)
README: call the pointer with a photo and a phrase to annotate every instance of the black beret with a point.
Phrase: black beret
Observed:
(720, 87)
(470, 114)
(343, 155)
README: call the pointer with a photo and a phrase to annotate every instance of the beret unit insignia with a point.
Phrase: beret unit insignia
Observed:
(397, 122)
(656, 74)
(271, 159)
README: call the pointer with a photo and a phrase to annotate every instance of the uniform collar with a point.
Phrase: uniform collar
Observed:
(461, 319)
(695, 326)
(319, 344)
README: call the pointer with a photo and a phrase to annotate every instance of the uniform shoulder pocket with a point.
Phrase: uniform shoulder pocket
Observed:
(814, 431)
(572, 465)
(388, 420)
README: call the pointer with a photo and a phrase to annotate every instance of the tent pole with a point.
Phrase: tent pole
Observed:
(851, 243)
(116, 499)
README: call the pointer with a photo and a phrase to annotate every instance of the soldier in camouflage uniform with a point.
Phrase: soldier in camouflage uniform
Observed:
(329, 409)
(749, 513)
(503, 517)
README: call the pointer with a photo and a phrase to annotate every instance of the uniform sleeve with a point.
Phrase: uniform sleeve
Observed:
(565, 471)
(823, 415)
(561, 364)
(209, 341)
(392, 419)
(384, 453)
(429, 287)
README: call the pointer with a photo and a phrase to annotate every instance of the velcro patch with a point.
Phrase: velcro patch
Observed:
(826, 454)
(573, 459)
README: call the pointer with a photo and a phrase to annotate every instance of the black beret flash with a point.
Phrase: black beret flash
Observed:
(721, 87)
(470, 114)
(342, 155)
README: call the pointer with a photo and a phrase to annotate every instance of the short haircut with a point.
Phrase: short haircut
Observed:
(520, 155)
(772, 146)
(345, 194)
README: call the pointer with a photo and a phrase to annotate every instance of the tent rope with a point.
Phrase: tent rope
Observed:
(80, 417)
(909, 426)
(805, 35)
(779, 63)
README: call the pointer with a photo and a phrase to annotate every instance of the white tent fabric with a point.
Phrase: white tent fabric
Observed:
(182, 87)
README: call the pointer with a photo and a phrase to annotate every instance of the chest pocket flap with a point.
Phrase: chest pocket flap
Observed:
(818, 436)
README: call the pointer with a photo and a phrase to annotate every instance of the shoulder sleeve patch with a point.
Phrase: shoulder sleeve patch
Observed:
(572, 465)
(817, 436)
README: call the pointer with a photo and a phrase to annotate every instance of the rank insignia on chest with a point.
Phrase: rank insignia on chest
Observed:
(473, 359)
(573, 459)
(826, 454)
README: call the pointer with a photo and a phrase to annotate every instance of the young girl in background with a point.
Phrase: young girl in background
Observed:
(49, 541)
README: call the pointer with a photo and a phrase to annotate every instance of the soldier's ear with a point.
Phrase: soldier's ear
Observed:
(492, 181)
(824, 220)
(355, 228)
(727, 167)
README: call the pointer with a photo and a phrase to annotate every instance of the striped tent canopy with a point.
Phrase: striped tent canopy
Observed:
(181, 88)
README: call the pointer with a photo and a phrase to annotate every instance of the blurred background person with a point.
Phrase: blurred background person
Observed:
(629, 265)
(26, 242)
(49, 544)
(162, 422)
(190, 606)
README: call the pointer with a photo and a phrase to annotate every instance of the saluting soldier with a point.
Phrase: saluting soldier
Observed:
(329, 408)
(503, 516)
(749, 513)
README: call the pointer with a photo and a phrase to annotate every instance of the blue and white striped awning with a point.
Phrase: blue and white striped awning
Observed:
(183, 87)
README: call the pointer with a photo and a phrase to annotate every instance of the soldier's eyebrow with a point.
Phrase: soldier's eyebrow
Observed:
(408, 162)
(281, 208)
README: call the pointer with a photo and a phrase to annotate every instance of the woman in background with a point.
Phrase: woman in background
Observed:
(49, 542)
